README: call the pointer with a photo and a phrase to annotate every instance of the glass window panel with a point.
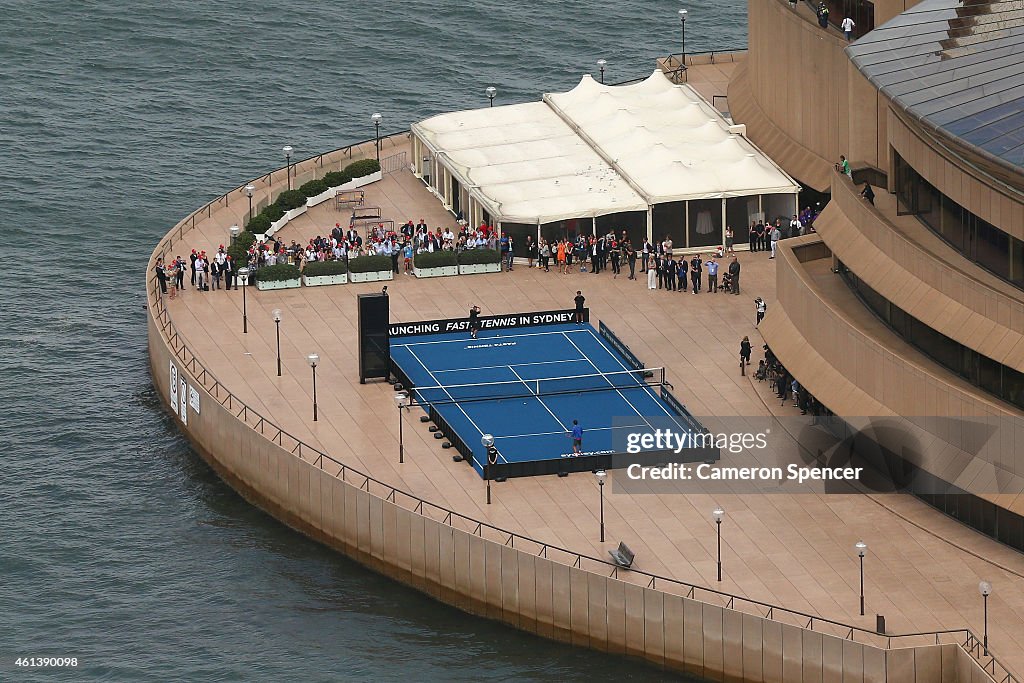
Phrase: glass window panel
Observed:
(705, 223)
(634, 223)
(669, 219)
(740, 212)
(992, 249)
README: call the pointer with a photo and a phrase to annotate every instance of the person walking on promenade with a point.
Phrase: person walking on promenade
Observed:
(822, 13)
(776, 235)
(745, 351)
(734, 270)
(511, 253)
(577, 438)
(474, 321)
(630, 258)
(652, 275)
(580, 300)
(161, 275)
(712, 267)
(848, 27)
(759, 307)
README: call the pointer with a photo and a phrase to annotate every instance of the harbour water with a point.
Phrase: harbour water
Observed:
(119, 546)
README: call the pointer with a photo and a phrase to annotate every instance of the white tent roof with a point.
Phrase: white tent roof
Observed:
(527, 164)
(667, 141)
(599, 149)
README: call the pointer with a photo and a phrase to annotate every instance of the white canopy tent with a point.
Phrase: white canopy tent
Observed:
(604, 151)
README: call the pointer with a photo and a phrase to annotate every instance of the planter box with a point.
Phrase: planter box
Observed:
(356, 183)
(288, 215)
(282, 284)
(476, 268)
(435, 272)
(373, 276)
(321, 280)
(322, 197)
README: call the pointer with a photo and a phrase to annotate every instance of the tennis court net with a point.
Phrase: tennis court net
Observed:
(544, 386)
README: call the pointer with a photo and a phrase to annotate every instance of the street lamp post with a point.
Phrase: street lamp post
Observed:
(861, 547)
(601, 63)
(682, 21)
(601, 474)
(243, 275)
(985, 588)
(277, 324)
(718, 513)
(377, 118)
(488, 443)
(491, 91)
(401, 400)
(249, 191)
(287, 149)
(313, 360)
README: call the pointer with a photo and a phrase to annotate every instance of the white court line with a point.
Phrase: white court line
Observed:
(539, 400)
(452, 398)
(509, 336)
(518, 365)
(650, 392)
(591, 429)
(644, 418)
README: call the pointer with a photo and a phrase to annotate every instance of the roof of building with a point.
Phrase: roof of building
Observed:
(597, 150)
(956, 66)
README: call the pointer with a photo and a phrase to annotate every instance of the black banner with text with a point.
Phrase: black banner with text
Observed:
(488, 322)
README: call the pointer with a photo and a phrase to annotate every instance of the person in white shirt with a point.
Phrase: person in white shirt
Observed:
(848, 27)
(201, 272)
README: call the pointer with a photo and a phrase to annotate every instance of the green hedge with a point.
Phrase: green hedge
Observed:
(272, 213)
(276, 273)
(313, 188)
(239, 251)
(357, 169)
(435, 259)
(258, 225)
(369, 264)
(475, 256)
(336, 178)
(291, 199)
(246, 239)
(315, 268)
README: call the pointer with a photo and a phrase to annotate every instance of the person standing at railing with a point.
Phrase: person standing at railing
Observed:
(161, 275)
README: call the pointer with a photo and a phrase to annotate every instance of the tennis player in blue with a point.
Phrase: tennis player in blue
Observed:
(577, 437)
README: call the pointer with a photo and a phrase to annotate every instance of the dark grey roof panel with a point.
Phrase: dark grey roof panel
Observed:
(958, 66)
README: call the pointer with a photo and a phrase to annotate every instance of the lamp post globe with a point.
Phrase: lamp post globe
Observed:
(491, 92)
(250, 190)
(601, 63)
(377, 117)
(287, 149)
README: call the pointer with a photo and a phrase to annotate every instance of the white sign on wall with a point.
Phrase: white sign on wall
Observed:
(183, 394)
(174, 388)
(193, 399)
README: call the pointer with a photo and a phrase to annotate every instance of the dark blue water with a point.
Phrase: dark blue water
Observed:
(117, 545)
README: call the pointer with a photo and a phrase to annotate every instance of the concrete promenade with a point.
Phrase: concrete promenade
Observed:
(796, 551)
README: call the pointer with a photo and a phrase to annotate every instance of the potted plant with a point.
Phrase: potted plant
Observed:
(317, 273)
(259, 225)
(370, 269)
(278, 276)
(435, 264)
(473, 261)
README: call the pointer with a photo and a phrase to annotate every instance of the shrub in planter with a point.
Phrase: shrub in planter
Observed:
(239, 255)
(291, 199)
(369, 264)
(273, 213)
(336, 178)
(475, 256)
(246, 238)
(435, 259)
(357, 169)
(317, 268)
(313, 188)
(259, 225)
(276, 273)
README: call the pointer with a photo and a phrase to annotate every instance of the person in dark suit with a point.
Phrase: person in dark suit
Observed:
(696, 268)
(630, 258)
(734, 270)
(659, 264)
(161, 275)
(670, 274)
(681, 270)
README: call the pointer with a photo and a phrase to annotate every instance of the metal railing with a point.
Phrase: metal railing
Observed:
(413, 503)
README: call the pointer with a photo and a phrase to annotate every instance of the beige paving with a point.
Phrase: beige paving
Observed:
(795, 550)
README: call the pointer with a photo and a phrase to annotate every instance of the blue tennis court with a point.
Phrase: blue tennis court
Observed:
(525, 386)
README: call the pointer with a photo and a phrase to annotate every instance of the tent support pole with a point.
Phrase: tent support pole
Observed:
(722, 233)
(650, 224)
(593, 225)
(686, 223)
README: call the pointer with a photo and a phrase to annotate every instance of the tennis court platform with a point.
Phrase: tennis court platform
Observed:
(526, 385)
